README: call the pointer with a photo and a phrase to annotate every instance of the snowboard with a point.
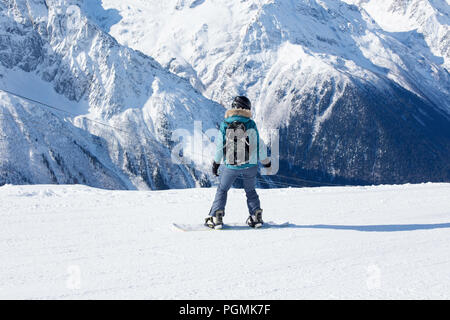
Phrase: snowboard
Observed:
(227, 226)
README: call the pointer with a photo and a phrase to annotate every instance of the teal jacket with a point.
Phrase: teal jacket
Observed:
(244, 117)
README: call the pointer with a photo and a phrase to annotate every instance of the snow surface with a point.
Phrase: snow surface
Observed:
(71, 242)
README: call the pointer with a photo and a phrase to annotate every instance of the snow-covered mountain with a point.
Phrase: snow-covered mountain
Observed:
(359, 89)
(358, 97)
(423, 25)
(119, 106)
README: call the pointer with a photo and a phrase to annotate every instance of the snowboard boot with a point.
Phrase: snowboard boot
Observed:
(216, 221)
(255, 220)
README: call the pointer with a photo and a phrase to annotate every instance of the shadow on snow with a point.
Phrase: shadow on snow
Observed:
(361, 228)
(374, 228)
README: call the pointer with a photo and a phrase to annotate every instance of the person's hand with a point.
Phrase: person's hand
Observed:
(215, 168)
(267, 167)
(267, 163)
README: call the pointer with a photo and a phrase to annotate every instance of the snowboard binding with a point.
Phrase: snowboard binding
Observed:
(255, 221)
(216, 221)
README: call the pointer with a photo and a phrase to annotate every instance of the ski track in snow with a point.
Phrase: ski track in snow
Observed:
(71, 242)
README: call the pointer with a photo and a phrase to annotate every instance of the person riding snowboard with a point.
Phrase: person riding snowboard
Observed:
(238, 146)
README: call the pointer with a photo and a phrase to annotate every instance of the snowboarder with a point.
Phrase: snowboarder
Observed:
(239, 147)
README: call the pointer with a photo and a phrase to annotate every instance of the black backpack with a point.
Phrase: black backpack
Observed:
(235, 137)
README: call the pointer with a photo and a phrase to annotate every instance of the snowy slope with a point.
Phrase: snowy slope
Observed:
(55, 52)
(355, 100)
(38, 146)
(75, 242)
(206, 41)
(428, 19)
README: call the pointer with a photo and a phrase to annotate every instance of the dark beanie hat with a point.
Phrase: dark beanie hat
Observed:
(241, 102)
